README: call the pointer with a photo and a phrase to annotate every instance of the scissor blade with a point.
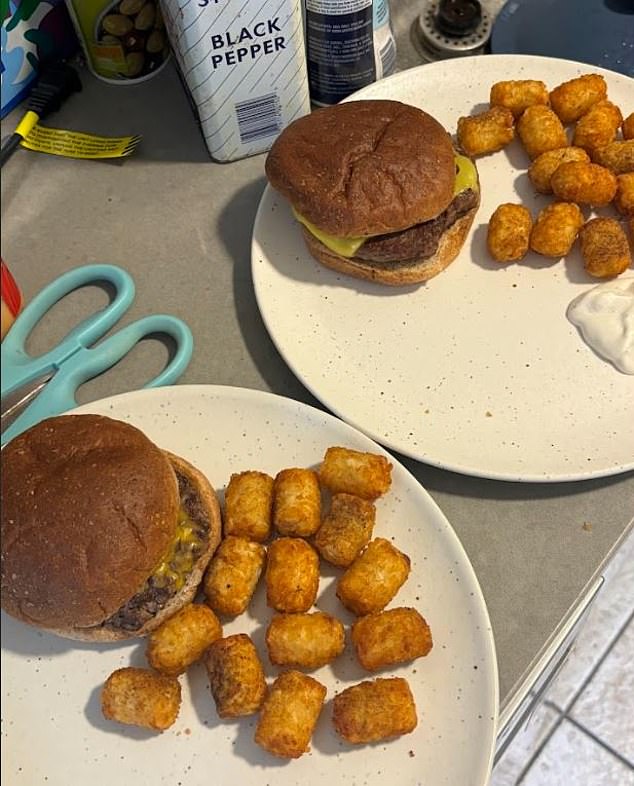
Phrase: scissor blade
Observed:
(15, 402)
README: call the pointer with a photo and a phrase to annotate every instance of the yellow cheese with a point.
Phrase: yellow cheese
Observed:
(466, 177)
(344, 246)
(179, 561)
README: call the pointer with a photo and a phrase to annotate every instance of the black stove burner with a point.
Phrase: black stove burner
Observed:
(458, 17)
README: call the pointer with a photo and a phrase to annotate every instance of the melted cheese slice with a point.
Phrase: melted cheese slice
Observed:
(466, 177)
(179, 561)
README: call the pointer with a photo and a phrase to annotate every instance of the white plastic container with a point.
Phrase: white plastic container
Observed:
(244, 65)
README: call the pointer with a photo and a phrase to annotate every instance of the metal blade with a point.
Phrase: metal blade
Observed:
(15, 402)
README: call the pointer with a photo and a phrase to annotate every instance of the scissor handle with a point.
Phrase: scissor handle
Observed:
(18, 365)
(59, 394)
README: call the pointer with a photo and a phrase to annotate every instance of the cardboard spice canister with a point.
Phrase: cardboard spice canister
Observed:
(124, 41)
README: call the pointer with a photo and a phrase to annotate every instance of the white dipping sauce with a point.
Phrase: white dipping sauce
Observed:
(605, 318)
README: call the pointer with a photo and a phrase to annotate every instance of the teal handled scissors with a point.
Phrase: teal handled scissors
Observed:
(34, 388)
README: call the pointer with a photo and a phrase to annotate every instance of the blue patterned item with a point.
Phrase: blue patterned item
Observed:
(33, 32)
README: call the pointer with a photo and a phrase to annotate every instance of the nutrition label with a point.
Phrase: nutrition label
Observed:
(346, 43)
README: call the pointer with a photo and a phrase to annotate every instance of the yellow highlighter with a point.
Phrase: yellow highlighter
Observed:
(56, 82)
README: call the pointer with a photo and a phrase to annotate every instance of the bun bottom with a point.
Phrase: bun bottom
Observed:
(186, 594)
(397, 274)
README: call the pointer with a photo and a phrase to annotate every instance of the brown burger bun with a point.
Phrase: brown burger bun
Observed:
(364, 167)
(90, 508)
(397, 273)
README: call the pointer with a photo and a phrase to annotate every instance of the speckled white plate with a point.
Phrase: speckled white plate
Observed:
(477, 371)
(52, 728)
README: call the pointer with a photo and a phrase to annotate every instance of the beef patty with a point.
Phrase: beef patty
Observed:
(154, 595)
(420, 241)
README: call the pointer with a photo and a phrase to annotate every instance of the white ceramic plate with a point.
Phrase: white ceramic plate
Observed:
(477, 371)
(53, 730)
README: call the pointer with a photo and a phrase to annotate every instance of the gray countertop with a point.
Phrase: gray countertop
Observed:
(181, 225)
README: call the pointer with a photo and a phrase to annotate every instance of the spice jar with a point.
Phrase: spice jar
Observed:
(349, 44)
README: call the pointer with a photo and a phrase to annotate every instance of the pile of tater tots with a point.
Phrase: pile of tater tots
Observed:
(590, 166)
(276, 528)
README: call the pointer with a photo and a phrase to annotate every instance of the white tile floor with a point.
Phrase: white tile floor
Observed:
(583, 732)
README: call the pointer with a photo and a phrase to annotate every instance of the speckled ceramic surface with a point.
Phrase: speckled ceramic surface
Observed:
(478, 370)
(52, 729)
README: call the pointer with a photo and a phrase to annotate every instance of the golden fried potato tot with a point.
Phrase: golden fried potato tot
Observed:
(544, 166)
(182, 639)
(616, 156)
(305, 641)
(604, 248)
(366, 475)
(486, 132)
(248, 505)
(296, 502)
(236, 676)
(518, 94)
(539, 130)
(346, 529)
(141, 697)
(289, 714)
(627, 126)
(374, 578)
(374, 710)
(556, 229)
(624, 199)
(388, 637)
(572, 99)
(233, 574)
(598, 126)
(292, 575)
(508, 232)
(584, 183)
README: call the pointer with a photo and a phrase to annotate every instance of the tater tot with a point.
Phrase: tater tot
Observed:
(248, 505)
(292, 575)
(304, 640)
(604, 248)
(543, 167)
(556, 229)
(584, 183)
(296, 502)
(486, 132)
(572, 99)
(374, 578)
(508, 232)
(346, 529)
(374, 710)
(598, 126)
(624, 199)
(389, 637)
(236, 676)
(289, 714)
(539, 130)
(627, 126)
(182, 639)
(233, 574)
(616, 156)
(141, 697)
(366, 475)
(518, 94)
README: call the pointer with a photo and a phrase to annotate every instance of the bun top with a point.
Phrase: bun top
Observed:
(364, 167)
(90, 507)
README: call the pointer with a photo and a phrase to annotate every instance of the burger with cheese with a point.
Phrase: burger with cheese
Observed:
(378, 188)
(104, 535)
